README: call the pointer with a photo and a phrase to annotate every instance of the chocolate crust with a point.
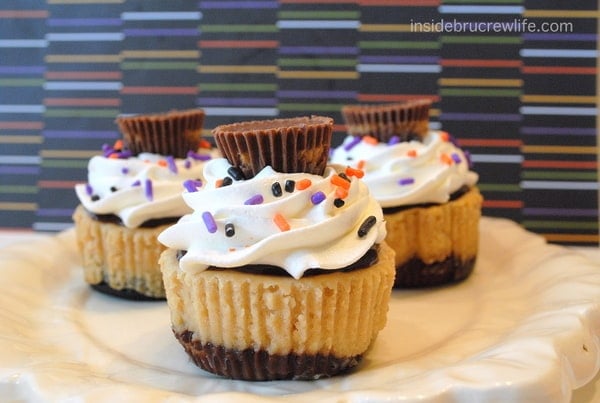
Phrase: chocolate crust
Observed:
(454, 196)
(115, 219)
(417, 274)
(125, 293)
(251, 365)
(369, 259)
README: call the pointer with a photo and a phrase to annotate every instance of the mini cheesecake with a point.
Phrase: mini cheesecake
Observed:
(133, 193)
(281, 270)
(428, 193)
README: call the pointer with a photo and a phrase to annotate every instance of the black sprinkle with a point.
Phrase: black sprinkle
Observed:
(344, 176)
(113, 189)
(276, 189)
(366, 226)
(227, 181)
(229, 230)
(236, 173)
(95, 197)
(290, 185)
(349, 158)
(338, 202)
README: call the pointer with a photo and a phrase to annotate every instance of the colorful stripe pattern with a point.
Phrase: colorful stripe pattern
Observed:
(522, 101)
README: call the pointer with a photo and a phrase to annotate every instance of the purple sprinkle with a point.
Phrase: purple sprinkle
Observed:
(125, 154)
(189, 186)
(317, 197)
(106, 147)
(89, 190)
(355, 141)
(148, 189)
(406, 181)
(468, 158)
(136, 183)
(209, 221)
(456, 158)
(107, 152)
(394, 140)
(192, 185)
(256, 199)
(171, 164)
(187, 164)
(453, 140)
(125, 170)
(198, 157)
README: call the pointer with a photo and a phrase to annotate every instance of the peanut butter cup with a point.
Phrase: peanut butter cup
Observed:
(298, 144)
(171, 133)
(408, 120)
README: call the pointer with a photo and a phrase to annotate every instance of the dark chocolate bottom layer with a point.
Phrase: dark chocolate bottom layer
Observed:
(251, 365)
(125, 293)
(416, 274)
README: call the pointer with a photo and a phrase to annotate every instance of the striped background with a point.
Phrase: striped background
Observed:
(523, 103)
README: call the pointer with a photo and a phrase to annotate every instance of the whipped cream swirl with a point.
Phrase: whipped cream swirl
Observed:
(143, 187)
(408, 173)
(296, 221)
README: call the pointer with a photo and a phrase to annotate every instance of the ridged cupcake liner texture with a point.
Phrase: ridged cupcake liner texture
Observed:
(170, 133)
(333, 316)
(445, 235)
(287, 145)
(121, 257)
(408, 120)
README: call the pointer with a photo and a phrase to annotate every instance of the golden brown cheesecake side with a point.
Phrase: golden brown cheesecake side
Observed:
(435, 244)
(286, 324)
(124, 259)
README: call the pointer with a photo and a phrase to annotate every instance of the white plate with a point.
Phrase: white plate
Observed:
(523, 327)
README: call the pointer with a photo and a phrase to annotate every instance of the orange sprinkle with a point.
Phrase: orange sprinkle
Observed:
(446, 159)
(303, 184)
(162, 163)
(370, 140)
(354, 172)
(341, 193)
(281, 222)
(205, 143)
(339, 181)
(218, 183)
(113, 156)
(118, 144)
(444, 136)
(361, 164)
(411, 153)
(231, 249)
